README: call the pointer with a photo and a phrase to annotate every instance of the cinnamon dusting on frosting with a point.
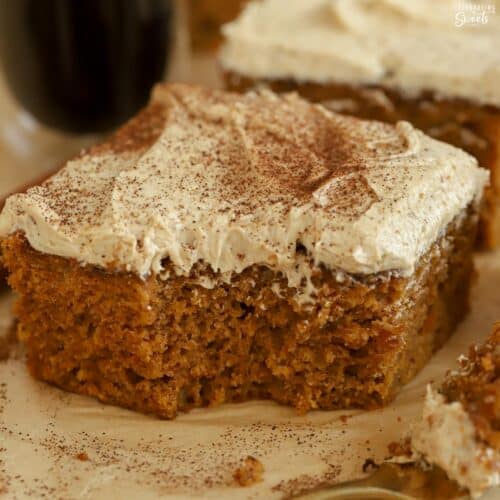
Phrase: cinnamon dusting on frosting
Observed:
(229, 180)
(138, 133)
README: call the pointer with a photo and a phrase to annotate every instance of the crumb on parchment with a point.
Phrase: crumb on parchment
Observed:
(249, 472)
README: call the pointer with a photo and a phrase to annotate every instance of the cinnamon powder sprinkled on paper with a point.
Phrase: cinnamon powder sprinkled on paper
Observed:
(308, 482)
(156, 465)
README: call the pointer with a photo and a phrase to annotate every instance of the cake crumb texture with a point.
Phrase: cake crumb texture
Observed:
(250, 472)
(476, 386)
(167, 346)
(460, 427)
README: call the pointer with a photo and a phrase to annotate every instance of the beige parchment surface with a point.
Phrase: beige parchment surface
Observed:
(43, 430)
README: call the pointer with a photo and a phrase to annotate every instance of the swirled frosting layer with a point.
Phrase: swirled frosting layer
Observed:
(413, 46)
(231, 181)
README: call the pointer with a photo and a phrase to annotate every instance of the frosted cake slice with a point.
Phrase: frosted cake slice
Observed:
(223, 247)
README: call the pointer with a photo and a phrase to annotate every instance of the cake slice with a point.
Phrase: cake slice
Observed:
(223, 247)
(460, 431)
(387, 60)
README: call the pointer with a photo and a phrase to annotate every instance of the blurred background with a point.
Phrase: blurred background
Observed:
(71, 72)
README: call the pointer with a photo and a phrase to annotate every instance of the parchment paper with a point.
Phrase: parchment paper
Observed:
(46, 435)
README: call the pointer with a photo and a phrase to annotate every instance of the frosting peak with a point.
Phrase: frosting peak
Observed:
(232, 181)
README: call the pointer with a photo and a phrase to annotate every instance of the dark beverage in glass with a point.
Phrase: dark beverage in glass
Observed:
(84, 65)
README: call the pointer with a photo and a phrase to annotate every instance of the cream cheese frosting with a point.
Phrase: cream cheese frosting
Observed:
(447, 437)
(231, 181)
(408, 45)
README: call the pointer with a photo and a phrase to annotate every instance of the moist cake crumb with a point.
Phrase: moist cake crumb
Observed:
(250, 472)
(82, 456)
(400, 448)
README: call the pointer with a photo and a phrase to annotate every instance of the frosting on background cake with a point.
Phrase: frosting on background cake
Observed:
(408, 45)
(234, 181)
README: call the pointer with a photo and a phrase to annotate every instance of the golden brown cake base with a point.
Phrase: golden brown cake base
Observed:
(469, 126)
(164, 346)
(477, 388)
